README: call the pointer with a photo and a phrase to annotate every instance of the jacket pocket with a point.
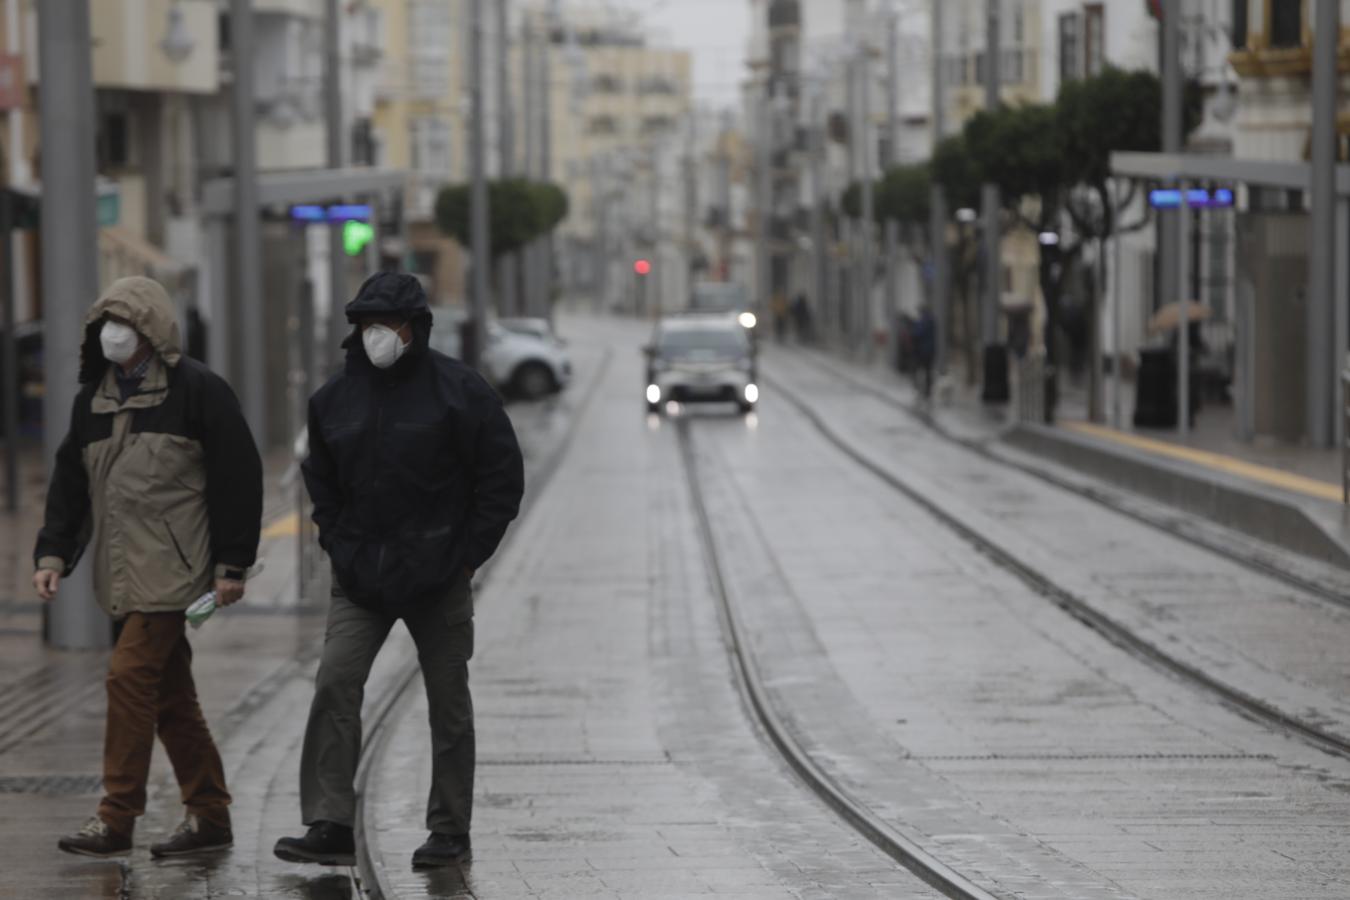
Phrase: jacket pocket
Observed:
(178, 548)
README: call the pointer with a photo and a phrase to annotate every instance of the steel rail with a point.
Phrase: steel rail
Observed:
(857, 814)
(1080, 609)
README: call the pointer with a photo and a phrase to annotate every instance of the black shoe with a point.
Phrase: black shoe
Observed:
(194, 835)
(326, 843)
(442, 850)
(96, 839)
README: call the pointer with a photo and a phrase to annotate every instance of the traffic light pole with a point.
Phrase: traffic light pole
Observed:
(72, 620)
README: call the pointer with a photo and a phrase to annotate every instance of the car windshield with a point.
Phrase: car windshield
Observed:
(705, 342)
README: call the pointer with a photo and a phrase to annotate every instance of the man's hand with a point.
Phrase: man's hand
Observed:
(46, 581)
(228, 591)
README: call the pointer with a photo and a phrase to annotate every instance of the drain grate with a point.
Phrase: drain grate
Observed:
(51, 785)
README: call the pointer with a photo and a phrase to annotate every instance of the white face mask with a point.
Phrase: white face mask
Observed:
(120, 342)
(383, 345)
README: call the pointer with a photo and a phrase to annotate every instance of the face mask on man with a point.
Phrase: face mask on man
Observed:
(119, 341)
(383, 345)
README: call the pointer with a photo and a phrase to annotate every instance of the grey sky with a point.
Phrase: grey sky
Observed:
(715, 31)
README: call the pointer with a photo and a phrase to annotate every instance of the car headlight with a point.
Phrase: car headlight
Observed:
(653, 394)
(752, 393)
(747, 320)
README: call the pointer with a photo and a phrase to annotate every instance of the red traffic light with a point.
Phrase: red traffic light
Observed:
(642, 267)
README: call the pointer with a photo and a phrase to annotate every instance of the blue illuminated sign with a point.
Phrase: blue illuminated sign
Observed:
(1196, 198)
(338, 213)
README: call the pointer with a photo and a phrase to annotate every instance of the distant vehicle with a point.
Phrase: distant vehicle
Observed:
(701, 359)
(517, 362)
(534, 327)
(727, 297)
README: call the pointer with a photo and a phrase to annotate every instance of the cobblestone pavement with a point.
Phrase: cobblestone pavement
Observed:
(1003, 700)
(617, 757)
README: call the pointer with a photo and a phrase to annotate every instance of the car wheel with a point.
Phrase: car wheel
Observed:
(746, 408)
(654, 409)
(533, 380)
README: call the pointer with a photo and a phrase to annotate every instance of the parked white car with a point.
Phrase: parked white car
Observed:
(522, 363)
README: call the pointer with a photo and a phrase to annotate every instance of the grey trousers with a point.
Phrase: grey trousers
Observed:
(443, 632)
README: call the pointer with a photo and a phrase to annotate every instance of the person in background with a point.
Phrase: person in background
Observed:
(160, 476)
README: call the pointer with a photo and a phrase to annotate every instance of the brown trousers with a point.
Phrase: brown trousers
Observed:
(150, 691)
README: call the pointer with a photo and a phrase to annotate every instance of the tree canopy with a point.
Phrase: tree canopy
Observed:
(520, 210)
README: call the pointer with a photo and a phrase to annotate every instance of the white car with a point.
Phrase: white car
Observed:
(521, 363)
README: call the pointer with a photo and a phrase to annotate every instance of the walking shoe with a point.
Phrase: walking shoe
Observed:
(442, 850)
(326, 843)
(96, 839)
(194, 835)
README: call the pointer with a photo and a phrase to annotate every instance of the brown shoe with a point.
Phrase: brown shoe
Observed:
(96, 839)
(194, 835)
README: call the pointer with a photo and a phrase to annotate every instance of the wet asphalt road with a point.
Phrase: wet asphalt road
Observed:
(618, 758)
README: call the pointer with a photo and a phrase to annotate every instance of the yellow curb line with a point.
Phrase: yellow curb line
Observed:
(1299, 484)
(286, 526)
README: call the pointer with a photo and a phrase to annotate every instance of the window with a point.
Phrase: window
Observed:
(114, 142)
(430, 39)
(603, 125)
(430, 144)
(1019, 24)
(606, 84)
(1286, 23)
(1094, 38)
(656, 125)
(1068, 47)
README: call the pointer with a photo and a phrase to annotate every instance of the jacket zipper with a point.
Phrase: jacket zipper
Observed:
(379, 435)
(174, 539)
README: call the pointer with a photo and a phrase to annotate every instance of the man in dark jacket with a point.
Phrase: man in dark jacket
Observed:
(415, 474)
(159, 475)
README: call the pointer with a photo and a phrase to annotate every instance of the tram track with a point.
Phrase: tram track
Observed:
(850, 808)
(369, 877)
(1081, 609)
(1260, 563)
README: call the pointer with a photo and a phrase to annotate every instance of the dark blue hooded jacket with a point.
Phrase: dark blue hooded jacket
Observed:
(414, 470)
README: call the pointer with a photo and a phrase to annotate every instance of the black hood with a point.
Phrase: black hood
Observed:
(390, 294)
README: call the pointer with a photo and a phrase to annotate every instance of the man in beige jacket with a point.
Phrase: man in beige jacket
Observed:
(160, 478)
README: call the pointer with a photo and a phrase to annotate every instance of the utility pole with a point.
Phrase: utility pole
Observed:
(337, 267)
(507, 299)
(892, 92)
(1322, 342)
(247, 247)
(69, 275)
(819, 252)
(1171, 240)
(995, 353)
(763, 200)
(544, 246)
(868, 198)
(479, 238)
(938, 201)
(15, 268)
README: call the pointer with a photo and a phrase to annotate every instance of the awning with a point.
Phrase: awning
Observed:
(312, 186)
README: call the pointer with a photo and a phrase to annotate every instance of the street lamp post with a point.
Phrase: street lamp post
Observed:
(69, 277)
(479, 239)
(995, 353)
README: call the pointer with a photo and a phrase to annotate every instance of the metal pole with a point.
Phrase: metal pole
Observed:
(337, 268)
(892, 92)
(505, 108)
(480, 245)
(819, 250)
(938, 201)
(866, 230)
(990, 193)
(544, 251)
(1184, 325)
(69, 267)
(1117, 300)
(1322, 366)
(10, 373)
(1169, 280)
(763, 187)
(247, 247)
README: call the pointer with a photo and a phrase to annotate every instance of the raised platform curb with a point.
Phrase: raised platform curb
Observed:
(1306, 527)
